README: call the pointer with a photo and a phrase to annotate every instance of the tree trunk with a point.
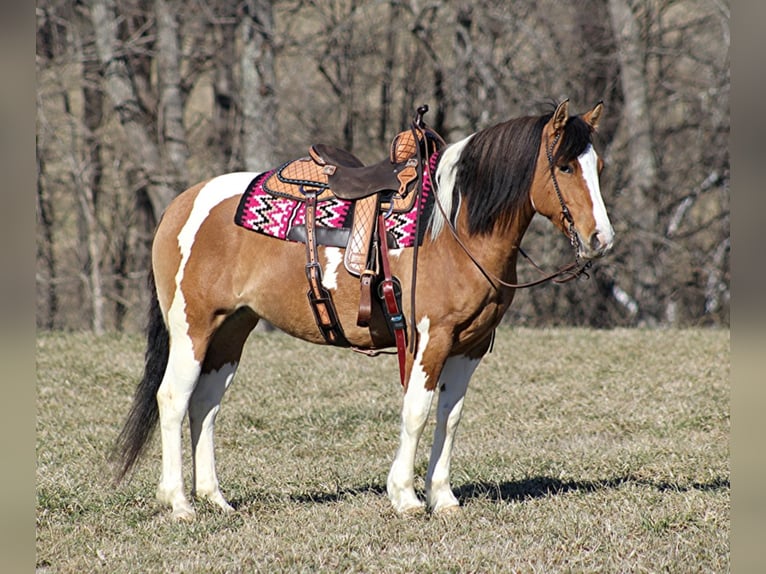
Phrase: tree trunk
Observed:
(258, 85)
(636, 129)
(387, 79)
(93, 170)
(461, 124)
(224, 140)
(46, 257)
(93, 269)
(172, 132)
(422, 27)
(137, 127)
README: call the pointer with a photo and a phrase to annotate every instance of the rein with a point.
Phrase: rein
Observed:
(562, 275)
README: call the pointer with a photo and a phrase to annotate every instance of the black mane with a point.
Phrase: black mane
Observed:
(495, 170)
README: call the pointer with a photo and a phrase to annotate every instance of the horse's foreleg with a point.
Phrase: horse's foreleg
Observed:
(415, 408)
(203, 408)
(401, 478)
(453, 384)
(173, 399)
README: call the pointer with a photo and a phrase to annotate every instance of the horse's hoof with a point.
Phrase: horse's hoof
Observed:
(413, 512)
(446, 511)
(184, 513)
(217, 499)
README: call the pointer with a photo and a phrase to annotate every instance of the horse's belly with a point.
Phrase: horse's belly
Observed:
(278, 292)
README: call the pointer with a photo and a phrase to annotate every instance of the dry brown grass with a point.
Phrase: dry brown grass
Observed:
(579, 451)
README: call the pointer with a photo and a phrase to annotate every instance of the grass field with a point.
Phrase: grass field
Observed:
(579, 451)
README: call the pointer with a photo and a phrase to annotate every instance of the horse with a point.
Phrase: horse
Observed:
(212, 281)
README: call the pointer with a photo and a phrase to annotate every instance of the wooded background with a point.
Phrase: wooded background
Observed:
(138, 99)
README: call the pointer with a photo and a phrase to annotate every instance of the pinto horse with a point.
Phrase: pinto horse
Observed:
(213, 281)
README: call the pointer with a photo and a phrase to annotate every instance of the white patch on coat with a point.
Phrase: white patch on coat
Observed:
(333, 258)
(418, 375)
(204, 406)
(453, 383)
(212, 193)
(446, 174)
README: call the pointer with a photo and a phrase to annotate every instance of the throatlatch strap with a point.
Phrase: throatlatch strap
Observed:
(395, 316)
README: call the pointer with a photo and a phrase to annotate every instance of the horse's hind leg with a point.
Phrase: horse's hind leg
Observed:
(172, 400)
(218, 369)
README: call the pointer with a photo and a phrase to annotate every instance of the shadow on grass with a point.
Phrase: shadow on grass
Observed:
(520, 490)
(340, 494)
(542, 486)
(309, 497)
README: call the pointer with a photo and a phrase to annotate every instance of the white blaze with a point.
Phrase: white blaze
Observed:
(589, 165)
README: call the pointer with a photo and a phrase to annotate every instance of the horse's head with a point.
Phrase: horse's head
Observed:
(566, 185)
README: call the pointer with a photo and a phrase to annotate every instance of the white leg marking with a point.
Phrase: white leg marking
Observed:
(204, 405)
(183, 370)
(333, 258)
(172, 399)
(453, 384)
(416, 404)
(589, 165)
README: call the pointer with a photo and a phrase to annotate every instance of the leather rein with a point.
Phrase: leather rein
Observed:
(563, 274)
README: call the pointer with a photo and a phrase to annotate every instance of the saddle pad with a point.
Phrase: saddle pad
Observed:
(270, 215)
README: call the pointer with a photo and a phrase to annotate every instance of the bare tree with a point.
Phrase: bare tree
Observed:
(257, 93)
(175, 95)
(46, 257)
(635, 131)
(161, 187)
(171, 129)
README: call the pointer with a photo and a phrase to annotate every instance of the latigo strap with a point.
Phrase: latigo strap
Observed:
(319, 297)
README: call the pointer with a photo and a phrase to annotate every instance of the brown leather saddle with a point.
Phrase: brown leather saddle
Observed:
(334, 172)
(391, 185)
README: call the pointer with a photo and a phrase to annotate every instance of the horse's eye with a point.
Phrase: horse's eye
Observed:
(566, 168)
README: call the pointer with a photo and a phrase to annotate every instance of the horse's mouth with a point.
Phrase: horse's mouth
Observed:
(599, 244)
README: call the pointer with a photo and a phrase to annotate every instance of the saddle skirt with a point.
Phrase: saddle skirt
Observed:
(287, 180)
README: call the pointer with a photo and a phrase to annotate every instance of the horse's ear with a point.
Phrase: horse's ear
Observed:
(592, 117)
(560, 117)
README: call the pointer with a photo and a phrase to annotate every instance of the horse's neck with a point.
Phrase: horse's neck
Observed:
(495, 252)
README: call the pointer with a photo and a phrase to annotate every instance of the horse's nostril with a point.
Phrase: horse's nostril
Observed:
(597, 242)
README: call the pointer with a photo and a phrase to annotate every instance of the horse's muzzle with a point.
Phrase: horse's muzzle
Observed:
(599, 243)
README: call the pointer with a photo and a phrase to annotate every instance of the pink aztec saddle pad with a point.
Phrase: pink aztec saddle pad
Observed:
(270, 215)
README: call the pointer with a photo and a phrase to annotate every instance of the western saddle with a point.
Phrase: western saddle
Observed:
(391, 185)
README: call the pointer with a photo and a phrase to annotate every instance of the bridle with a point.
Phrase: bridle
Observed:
(574, 239)
(562, 275)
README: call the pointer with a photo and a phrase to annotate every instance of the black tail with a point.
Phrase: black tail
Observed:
(144, 413)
